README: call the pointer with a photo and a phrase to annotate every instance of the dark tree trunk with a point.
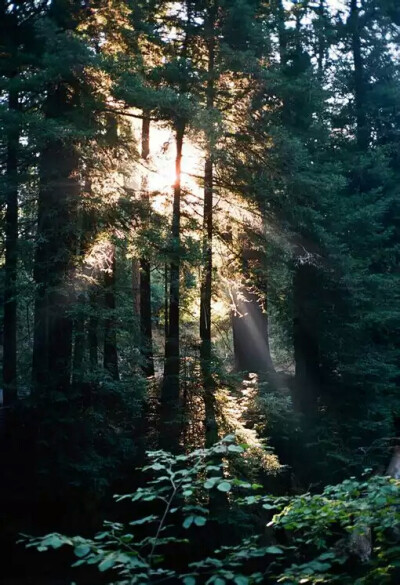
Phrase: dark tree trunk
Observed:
(145, 318)
(55, 249)
(166, 302)
(206, 281)
(79, 342)
(282, 34)
(250, 333)
(306, 351)
(322, 43)
(363, 130)
(145, 270)
(110, 325)
(93, 326)
(170, 393)
(206, 284)
(136, 288)
(87, 231)
(250, 316)
(11, 258)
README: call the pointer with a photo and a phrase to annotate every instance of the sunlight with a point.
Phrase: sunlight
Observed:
(158, 171)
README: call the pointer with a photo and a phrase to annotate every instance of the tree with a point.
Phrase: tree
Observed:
(145, 268)
(10, 34)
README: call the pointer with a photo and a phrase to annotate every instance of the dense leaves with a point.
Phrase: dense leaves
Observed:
(200, 237)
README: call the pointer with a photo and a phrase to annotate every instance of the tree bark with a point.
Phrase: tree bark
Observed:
(55, 249)
(11, 259)
(166, 301)
(136, 288)
(79, 342)
(145, 269)
(305, 340)
(250, 333)
(363, 130)
(322, 43)
(170, 394)
(110, 326)
(93, 326)
(250, 316)
(211, 432)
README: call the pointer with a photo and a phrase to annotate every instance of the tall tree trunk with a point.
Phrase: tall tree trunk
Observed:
(250, 333)
(282, 34)
(250, 316)
(79, 342)
(322, 43)
(145, 269)
(166, 301)
(206, 281)
(110, 325)
(306, 352)
(170, 394)
(93, 326)
(11, 258)
(87, 231)
(136, 288)
(363, 130)
(55, 249)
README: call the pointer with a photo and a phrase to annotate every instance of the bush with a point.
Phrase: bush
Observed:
(348, 534)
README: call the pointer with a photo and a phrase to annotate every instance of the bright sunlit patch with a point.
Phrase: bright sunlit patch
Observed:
(159, 170)
(234, 409)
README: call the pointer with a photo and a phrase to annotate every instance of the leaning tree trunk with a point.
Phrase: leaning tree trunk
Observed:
(11, 257)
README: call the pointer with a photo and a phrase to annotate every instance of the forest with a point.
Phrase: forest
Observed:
(200, 292)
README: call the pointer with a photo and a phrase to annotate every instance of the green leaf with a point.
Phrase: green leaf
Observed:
(82, 550)
(188, 522)
(224, 486)
(107, 563)
(274, 550)
(78, 563)
(326, 556)
(189, 581)
(210, 483)
(235, 449)
(241, 580)
(200, 521)
(145, 520)
(102, 535)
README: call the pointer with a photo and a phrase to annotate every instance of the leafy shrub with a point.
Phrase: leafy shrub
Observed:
(348, 534)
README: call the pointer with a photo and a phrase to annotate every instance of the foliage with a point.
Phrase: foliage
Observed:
(346, 534)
